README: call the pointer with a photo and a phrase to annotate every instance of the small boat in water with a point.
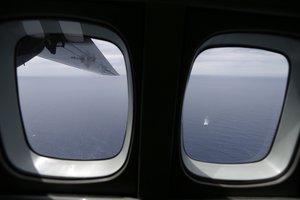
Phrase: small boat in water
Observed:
(206, 121)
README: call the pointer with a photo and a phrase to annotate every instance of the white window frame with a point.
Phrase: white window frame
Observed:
(12, 133)
(284, 145)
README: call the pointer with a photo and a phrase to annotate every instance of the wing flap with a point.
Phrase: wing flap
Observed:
(83, 55)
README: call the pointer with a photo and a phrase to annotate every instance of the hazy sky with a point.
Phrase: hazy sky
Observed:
(225, 61)
(229, 61)
(42, 67)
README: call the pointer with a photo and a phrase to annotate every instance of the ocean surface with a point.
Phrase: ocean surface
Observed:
(231, 119)
(225, 119)
(81, 118)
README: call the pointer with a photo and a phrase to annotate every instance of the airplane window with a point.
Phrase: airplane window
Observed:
(73, 96)
(232, 104)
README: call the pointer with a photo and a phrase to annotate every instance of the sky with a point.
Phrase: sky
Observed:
(42, 67)
(240, 61)
(222, 61)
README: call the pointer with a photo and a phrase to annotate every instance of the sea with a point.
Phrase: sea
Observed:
(231, 120)
(224, 119)
(77, 118)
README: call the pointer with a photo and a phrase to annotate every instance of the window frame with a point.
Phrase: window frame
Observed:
(12, 132)
(278, 160)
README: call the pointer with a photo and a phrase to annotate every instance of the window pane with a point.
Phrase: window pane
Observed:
(73, 96)
(232, 104)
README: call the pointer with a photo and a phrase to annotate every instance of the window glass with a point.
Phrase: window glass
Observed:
(73, 96)
(232, 104)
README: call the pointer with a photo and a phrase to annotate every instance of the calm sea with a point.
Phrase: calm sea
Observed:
(225, 119)
(231, 119)
(75, 117)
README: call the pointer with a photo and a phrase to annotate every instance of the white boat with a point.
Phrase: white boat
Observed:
(206, 122)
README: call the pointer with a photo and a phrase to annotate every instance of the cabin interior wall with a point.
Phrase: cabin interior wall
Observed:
(162, 39)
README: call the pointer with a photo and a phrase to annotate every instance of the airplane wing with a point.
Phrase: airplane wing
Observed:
(83, 55)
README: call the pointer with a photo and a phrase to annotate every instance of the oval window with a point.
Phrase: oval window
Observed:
(73, 96)
(232, 104)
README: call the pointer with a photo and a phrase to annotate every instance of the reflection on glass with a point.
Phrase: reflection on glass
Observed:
(232, 104)
(73, 96)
